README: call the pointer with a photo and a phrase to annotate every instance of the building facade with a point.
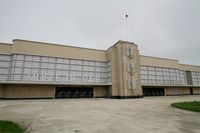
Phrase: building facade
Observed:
(31, 69)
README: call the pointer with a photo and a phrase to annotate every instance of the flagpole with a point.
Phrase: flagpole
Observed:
(127, 27)
(133, 31)
(120, 23)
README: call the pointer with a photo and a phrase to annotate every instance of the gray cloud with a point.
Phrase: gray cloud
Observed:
(163, 28)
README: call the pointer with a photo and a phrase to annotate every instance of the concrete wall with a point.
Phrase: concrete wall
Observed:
(5, 48)
(177, 91)
(53, 50)
(170, 63)
(100, 91)
(189, 67)
(29, 91)
(39, 91)
(196, 91)
(120, 74)
(159, 62)
(115, 73)
(1, 91)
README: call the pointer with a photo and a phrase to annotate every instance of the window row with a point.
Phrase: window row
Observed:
(158, 75)
(4, 57)
(50, 71)
(4, 64)
(3, 77)
(162, 82)
(152, 68)
(54, 60)
(73, 68)
(55, 66)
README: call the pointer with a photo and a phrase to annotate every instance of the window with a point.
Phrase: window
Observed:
(129, 52)
(4, 64)
(36, 58)
(144, 72)
(75, 67)
(143, 67)
(4, 71)
(130, 67)
(3, 77)
(19, 63)
(20, 57)
(35, 64)
(88, 68)
(131, 84)
(43, 68)
(86, 62)
(73, 61)
(28, 58)
(4, 58)
(60, 60)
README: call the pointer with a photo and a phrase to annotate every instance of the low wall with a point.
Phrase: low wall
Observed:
(99, 92)
(29, 91)
(176, 91)
(196, 91)
(1, 91)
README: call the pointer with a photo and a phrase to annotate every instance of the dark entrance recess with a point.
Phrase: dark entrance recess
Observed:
(153, 92)
(74, 92)
(191, 91)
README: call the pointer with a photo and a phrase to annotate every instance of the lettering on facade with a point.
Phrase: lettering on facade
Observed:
(62, 78)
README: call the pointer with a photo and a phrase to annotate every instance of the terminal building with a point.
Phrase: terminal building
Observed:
(30, 69)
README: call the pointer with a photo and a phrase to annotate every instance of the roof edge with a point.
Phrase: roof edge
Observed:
(190, 65)
(160, 58)
(121, 41)
(46, 43)
(5, 43)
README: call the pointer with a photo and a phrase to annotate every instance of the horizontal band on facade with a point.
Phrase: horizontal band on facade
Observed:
(126, 97)
(181, 94)
(33, 98)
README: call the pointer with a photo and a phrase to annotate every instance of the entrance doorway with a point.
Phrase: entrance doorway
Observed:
(191, 91)
(153, 92)
(74, 92)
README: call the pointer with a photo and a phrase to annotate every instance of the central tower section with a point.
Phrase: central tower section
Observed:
(125, 72)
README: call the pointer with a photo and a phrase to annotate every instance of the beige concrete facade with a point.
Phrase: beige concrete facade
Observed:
(196, 91)
(189, 67)
(39, 91)
(171, 64)
(166, 63)
(53, 50)
(100, 92)
(5, 48)
(28, 91)
(170, 91)
(1, 91)
(125, 74)
(120, 73)
(156, 61)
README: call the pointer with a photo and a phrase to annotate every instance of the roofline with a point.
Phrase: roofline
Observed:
(159, 58)
(46, 43)
(121, 41)
(5, 43)
(190, 65)
(58, 44)
(171, 59)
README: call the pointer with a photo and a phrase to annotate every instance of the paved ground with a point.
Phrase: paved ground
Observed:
(147, 115)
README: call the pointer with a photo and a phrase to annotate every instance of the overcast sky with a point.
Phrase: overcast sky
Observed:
(162, 28)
